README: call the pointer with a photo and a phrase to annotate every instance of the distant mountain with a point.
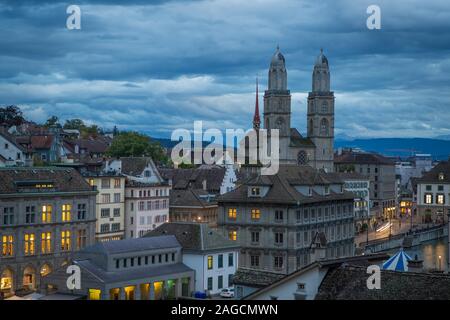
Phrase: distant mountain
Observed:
(401, 147)
(443, 137)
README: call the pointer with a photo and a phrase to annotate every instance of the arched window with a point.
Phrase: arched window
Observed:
(302, 158)
(324, 107)
(45, 270)
(324, 127)
(6, 280)
(29, 274)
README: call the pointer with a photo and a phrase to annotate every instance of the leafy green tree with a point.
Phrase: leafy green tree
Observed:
(52, 121)
(74, 124)
(134, 144)
(11, 116)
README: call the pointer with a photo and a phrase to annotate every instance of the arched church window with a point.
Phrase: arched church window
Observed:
(324, 127)
(324, 107)
(302, 158)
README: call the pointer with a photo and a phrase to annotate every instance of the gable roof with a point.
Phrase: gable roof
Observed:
(62, 179)
(432, 176)
(191, 198)
(297, 140)
(134, 166)
(282, 187)
(348, 282)
(194, 236)
(362, 158)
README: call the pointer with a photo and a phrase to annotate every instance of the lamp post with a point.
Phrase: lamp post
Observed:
(440, 260)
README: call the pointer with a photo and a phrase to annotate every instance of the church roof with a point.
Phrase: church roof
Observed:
(277, 57)
(297, 140)
(321, 60)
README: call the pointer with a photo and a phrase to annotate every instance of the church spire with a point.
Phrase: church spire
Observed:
(256, 119)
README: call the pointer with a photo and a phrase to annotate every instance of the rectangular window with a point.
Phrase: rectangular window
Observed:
(298, 215)
(65, 240)
(30, 214)
(46, 213)
(232, 235)
(65, 214)
(116, 212)
(104, 228)
(81, 239)
(220, 261)
(210, 262)
(105, 183)
(230, 259)
(105, 213)
(255, 236)
(173, 256)
(117, 183)
(232, 213)
(278, 237)
(116, 197)
(428, 187)
(440, 199)
(106, 198)
(254, 261)
(81, 211)
(8, 246)
(256, 214)
(255, 191)
(29, 244)
(46, 242)
(210, 283)
(115, 227)
(219, 282)
(428, 198)
(278, 215)
(141, 205)
(278, 262)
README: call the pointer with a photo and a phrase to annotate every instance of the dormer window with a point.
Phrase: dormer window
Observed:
(441, 176)
(147, 173)
(255, 191)
(326, 190)
(310, 191)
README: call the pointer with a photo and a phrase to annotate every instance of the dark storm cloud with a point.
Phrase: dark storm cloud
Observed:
(158, 65)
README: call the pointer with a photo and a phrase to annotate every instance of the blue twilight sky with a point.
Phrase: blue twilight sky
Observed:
(155, 66)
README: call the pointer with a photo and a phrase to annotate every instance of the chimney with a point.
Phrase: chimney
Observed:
(415, 265)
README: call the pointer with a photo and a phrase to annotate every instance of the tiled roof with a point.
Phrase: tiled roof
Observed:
(92, 145)
(134, 166)
(348, 282)
(41, 142)
(194, 236)
(282, 187)
(255, 278)
(191, 198)
(362, 158)
(432, 176)
(11, 138)
(62, 179)
(297, 140)
(133, 245)
(194, 178)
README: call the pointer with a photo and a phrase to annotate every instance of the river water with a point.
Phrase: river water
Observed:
(429, 252)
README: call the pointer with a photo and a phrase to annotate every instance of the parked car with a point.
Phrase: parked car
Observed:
(227, 293)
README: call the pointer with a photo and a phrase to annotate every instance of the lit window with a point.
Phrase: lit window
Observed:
(256, 214)
(46, 242)
(65, 240)
(94, 294)
(441, 176)
(66, 212)
(8, 245)
(81, 239)
(29, 245)
(232, 235)
(210, 262)
(46, 213)
(440, 199)
(428, 198)
(91, 182)
(232, 213)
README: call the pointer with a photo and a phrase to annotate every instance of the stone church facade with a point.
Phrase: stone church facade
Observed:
(316, 149)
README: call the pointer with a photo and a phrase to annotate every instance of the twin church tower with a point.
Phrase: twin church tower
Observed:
(316, 149)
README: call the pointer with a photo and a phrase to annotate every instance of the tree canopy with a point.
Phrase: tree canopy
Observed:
(11, 116)
(134, 144)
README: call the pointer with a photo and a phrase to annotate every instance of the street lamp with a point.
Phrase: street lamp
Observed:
(440, 260)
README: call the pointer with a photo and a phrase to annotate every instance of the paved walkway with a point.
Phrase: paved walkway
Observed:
(397, 227)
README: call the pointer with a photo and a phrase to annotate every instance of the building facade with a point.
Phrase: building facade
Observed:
(381, 172)
(130, 269)
(433, 194)
(213, 257)
(110, 205)
(275, 218)
(47, 215)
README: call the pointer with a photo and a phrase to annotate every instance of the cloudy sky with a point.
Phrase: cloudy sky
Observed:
(154, 66)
